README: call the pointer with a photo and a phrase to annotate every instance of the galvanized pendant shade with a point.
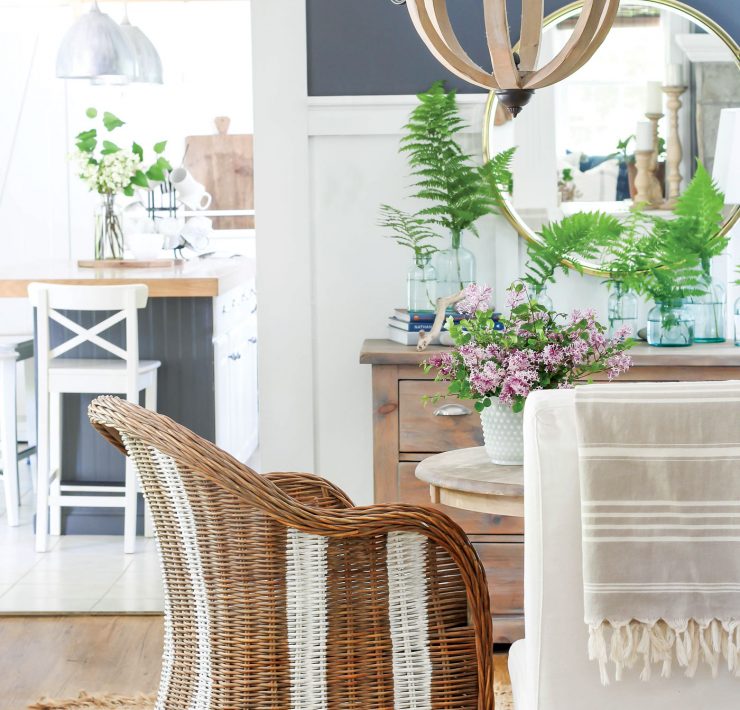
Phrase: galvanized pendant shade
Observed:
(95, 48)
(99, 49)
(515, 75)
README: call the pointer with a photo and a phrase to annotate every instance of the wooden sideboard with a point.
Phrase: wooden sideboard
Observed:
(405, 431)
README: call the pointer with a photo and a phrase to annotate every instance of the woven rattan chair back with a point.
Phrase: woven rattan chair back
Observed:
(280, 594)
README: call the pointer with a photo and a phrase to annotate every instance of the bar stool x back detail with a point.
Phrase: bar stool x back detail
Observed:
(123, 374)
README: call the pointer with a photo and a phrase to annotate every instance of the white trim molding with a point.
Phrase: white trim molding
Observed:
(379, 115)
(704, 48)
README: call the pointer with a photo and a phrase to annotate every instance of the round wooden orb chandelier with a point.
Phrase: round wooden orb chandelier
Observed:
(515, 75)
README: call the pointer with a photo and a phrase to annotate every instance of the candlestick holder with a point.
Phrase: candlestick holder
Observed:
(674, 150)
(645, 181)
(657, 193)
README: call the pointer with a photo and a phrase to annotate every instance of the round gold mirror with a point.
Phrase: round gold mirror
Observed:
(575, 142)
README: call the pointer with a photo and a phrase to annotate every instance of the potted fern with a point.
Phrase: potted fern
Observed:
(412, 231)
(457, 192)
(694, 235)
(576, 238)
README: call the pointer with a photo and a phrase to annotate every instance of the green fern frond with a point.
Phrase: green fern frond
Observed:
(408, 230)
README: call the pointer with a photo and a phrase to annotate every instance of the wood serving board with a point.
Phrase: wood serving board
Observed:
(224, 164)
(127, 263)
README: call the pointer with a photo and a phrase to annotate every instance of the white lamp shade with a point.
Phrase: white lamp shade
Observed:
(726, 172)
(95, 48)
(147, 64)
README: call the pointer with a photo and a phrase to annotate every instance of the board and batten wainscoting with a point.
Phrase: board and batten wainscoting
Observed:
(405, 431)
(200, 321)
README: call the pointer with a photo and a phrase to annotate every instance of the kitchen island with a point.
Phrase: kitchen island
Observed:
(200, 322)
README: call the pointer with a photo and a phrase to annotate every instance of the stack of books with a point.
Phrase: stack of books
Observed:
(404, 326)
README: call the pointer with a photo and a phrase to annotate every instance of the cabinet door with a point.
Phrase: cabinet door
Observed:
(236, 389)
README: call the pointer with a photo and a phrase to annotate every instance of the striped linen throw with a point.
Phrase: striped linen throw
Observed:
(660, 495)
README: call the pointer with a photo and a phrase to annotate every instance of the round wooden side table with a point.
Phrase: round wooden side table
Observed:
(467, 479)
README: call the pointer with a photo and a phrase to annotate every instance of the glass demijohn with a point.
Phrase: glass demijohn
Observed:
(455, 268)
(709, 312)
(670, 325)
(622, 310)
(421, 284)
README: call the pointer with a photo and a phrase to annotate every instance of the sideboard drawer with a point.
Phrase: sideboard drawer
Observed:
(504, 566)
(412, 490)
(420, 430)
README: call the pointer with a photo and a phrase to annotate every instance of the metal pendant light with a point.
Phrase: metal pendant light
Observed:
(95, 48)
(515, 75)
(147, 64)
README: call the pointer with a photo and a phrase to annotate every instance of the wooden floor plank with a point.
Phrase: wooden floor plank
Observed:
(60, 655)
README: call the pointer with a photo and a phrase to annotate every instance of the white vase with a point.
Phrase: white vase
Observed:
(502, 434)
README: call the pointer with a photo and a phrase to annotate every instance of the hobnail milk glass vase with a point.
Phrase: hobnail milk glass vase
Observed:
(502, 434)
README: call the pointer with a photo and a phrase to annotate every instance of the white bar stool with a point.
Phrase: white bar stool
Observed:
(57, 376)
(15, 348)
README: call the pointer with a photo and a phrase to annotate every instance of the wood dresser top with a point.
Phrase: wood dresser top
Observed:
(386, 352)
(195, 278)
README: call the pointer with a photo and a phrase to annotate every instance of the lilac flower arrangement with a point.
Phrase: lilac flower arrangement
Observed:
(536, 349)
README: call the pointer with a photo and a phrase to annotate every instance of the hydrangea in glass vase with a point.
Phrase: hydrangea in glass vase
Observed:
(110, 171)
(536, 349)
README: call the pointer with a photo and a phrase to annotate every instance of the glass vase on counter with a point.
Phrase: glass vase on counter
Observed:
(670, 324)
(421, 284)
(455, 267)
(709, 311)
(108, 229)
(622, 309)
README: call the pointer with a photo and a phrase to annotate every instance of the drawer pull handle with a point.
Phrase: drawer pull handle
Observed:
(235, 356)
(252, 340)
(452, 410)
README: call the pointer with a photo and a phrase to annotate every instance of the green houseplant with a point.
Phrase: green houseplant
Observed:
(412, 231)
(110, 170)
(695, 232)
(455, 191)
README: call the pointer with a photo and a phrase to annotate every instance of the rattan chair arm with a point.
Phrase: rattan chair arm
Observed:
(112, 416)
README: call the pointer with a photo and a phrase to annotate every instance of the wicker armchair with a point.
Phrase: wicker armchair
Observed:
(279, 593)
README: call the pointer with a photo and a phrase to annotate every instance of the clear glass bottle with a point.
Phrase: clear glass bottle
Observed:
(709, 311)
(421, 284)
(543, 298)
(736, 318)
(670, 324)
(622, 310)
(455, 268)
(108, 229)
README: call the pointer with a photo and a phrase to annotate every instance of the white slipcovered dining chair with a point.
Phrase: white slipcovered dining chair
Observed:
(550, 669)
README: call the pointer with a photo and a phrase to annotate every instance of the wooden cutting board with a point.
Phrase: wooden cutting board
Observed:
(224, 164)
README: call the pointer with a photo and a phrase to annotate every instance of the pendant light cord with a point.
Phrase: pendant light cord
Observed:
(19, 117)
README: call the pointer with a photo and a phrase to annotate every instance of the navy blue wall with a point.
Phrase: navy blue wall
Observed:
(369, 47)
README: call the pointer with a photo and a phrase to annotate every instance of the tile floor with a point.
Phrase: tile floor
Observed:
(80, 573)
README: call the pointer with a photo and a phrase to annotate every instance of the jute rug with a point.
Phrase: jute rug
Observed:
(144, 702)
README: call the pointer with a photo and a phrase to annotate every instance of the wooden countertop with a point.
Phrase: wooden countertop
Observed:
(386, 352)
(194, 278)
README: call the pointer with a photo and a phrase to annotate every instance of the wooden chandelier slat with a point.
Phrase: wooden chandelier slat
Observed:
(499, 44)
(605, 24)
(530, 37)
(429, 32)
(560, 66)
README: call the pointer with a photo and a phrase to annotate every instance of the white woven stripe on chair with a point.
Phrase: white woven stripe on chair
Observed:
(307, 615)
(409, 624)
(172, 483)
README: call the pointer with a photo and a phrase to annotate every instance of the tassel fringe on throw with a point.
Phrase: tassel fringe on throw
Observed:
(687, 642)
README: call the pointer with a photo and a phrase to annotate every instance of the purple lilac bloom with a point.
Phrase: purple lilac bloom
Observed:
(515, 297)
(471, 354)
(577, 351)
(443, 361)
(476, 298)
(622, 334)
(552, 356)
(617, 364)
